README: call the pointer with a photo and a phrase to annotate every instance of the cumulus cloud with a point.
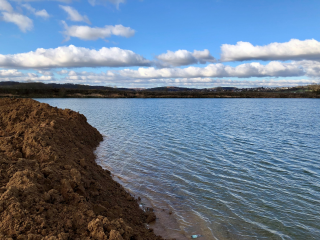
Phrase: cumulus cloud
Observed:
(88, 33)
(116, 78)
(74, 15)
(311, 68)
(241, 83)
(10, 73)
(292, 50)
(23, 22)
(272, 69)
(41, 13)
(195, 76)
(15, 75)
(109, 78)
(5, 6)
(72, 56)
(184, 57)
(30, 77)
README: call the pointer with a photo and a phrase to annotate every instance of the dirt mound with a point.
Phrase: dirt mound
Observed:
(50, 185)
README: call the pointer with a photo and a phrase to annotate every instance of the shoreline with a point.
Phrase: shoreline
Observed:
(56, 90)
(166, 224)
(51, 186)
(149, 93)
(172, 96)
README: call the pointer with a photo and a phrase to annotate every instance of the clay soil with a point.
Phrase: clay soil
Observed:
(50, 185)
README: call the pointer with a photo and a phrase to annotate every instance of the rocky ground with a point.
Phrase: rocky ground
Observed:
(50, 185)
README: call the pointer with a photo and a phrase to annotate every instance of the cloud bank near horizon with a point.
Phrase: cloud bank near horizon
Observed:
(247, 70)
(78, 57)
(165, 68)
(108, 78)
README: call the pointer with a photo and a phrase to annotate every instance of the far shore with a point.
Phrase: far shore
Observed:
(56, 90)
(146, 94)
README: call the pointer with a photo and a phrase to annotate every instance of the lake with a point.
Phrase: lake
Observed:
(222, 168)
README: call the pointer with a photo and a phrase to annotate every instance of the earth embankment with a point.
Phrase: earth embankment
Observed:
(50, 185)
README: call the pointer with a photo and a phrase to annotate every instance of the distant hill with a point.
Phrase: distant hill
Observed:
(68, 90)
(40, 85)
(170, 89)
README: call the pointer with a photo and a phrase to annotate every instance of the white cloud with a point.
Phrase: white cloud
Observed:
(71, 56)
(23, 22)
(15, 75)
(30, 77)
(203, 56)
(10, 73)
(5, 6)
(292, 50)
(243, 83)
(8, 15)
(41, 13)
(74, 15)
(311, 68)
(88, 33)
(272, 69)
(209, 82)
(201, 77)
(109, 78)
(184, 57)
(114, 78)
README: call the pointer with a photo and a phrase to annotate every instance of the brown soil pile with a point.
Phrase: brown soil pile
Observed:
(50, 185)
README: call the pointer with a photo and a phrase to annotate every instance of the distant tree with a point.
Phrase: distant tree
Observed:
(314, 87)
(62, 92)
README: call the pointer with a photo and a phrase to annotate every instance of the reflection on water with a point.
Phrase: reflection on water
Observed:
(226, 168)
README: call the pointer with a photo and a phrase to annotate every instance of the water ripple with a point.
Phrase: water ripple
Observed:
(227, 168)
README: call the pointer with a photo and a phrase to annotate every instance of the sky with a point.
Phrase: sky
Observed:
(153, 43)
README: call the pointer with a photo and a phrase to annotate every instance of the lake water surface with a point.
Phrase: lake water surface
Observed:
(226, 168)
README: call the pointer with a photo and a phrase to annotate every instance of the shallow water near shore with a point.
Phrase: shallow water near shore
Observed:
(226, 168)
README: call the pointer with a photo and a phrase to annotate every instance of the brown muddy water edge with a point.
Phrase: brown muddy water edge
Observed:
(50, 184)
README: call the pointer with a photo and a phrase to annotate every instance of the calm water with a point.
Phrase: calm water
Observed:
(226, 168)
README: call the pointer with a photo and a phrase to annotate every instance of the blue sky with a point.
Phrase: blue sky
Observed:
(150, 43)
